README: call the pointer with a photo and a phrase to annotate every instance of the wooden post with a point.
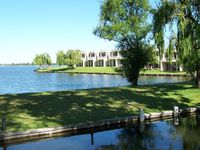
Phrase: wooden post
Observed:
(92, 136)
(176, 111)
(141, 120)
(176, 114)
(142, 127)
(141, 115)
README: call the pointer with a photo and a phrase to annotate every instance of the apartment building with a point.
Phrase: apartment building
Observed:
(164, 63)
(113, 59)
(101, 59)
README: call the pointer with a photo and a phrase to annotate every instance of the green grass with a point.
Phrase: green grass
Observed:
(50, 109)
(106, 70)
(111, 70)
(155, 71)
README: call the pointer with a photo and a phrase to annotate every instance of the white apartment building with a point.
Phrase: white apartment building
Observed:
(101, 59)
(113, 59)
(165, 64)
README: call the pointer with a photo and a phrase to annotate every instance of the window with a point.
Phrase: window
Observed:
(91, 54)
(175, 56)
(114, 54)
(83, 55)
(102, 54)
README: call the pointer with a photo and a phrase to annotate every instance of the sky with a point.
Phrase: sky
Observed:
(30, 27)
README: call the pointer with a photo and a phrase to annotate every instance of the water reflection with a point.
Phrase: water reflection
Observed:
(159, 135)
(190, 132)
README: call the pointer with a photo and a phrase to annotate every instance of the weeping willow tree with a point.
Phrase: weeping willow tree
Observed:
(42, 59)
(183, 18)
(73, 58)
(126, 22)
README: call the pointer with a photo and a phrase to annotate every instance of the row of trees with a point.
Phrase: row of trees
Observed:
(129, 23)
(70, 58)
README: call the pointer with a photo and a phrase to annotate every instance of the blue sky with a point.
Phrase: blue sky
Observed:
(29, 27)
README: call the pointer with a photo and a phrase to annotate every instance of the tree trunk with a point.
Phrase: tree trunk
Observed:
(134, 81)
(198, 78)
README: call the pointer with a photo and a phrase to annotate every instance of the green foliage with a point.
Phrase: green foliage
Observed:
(171, 48)
(162, 16)
(73, 57)
(185, 15)
(125, 21)
(60, 58)
(42, 59)
(70, 58)
(47, 59)
(135, 59)
(38, 60)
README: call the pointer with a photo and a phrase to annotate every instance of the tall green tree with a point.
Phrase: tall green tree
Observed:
(126, 22)
(47, 59)
(60, 57)
(70, 58)
(42, 59)
(73, 58)
(183, 17)
(38, 60)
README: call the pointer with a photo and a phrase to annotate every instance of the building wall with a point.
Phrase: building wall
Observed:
(166, 64)
(113, 59)
(101, 59)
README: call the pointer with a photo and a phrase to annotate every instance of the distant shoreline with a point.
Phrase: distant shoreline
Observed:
(13, 65)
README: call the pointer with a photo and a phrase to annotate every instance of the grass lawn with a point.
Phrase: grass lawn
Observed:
(49, 109)
(154, 71)
(109, 70)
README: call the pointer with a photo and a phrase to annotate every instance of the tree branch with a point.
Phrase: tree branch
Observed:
(125, 38)
(191, 18)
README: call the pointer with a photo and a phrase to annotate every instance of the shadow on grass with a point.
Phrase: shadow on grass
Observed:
(38, 110)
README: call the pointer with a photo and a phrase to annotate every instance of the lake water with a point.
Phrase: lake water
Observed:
(23, 79)
(155, 136)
